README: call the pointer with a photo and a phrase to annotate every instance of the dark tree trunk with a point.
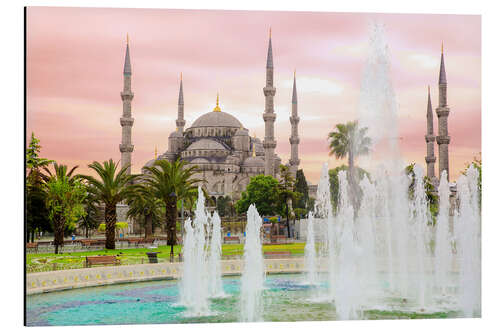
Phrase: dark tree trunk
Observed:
(32, 235)
(171, 217)
(287, 221)
(86, 232)
(58, 233)
(148, 232)
(110, 220)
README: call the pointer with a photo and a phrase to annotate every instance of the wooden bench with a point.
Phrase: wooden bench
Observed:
(277, 254)
(32, 246)
(101, 260)
(231, 239)
(92, 242)
(278, 239)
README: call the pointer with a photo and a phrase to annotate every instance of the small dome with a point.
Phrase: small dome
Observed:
(175, 134)
(241, 132)
(254, 162)
(150, 163)
(216, 119)
(206, 144)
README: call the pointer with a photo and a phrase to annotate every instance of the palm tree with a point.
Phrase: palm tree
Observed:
(170, 182)
(112, 186)
(90, 220)
(142, 203)
(348, 139)
(64, 197)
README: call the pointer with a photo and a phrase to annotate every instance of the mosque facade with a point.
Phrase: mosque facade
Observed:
(217, 143)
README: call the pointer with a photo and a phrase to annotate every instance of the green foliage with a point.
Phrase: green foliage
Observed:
(111, 186)
(119, 226)
(478, 164)
(261, 191)
(90, 220)
(430, 191)
(64, 199)
(224, 206)
(334, 181)
(286, 193)
(145, 208)
(349, 140)
(273, 219)
(37, 214)
(171, 182)
(302, 188)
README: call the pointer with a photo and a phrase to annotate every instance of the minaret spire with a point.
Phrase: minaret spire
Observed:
(126, 121)
(294, 137)
(180, 122)
(269, 116)
(430, 159)
(442, 111)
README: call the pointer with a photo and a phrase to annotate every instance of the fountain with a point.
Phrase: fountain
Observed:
(194, 289)
(214, 259)
(310, 252)
(468, 242)
(252, 279)
(443, 255)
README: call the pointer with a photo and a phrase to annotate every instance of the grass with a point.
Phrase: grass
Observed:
(37, 262)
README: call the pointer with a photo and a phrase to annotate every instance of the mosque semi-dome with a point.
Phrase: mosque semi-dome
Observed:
(206, 144)
(254, 161)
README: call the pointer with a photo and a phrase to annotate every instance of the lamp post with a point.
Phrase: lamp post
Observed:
(172, 228)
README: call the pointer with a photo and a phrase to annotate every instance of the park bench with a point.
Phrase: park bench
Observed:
(92, 242)
(101, 260)
(32, 247)
(278, 239)
(230, 239)
(277, 254)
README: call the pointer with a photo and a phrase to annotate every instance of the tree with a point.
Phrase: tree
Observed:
(90, 220)
(430, 191)
(170, 182)
(351, 141)
(261, 191)
(224, 206)
(37, 214)
(286, 194)
(64, 199)
(478, 164)
(334, 181)
(110, 187)
(144, 205)
(301, 187)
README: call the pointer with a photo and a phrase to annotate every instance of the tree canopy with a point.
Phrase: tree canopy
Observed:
(261, 191)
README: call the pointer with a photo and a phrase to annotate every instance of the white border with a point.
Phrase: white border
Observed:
(12, 135)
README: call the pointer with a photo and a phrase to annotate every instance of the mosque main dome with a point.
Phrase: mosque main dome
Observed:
(217, 119)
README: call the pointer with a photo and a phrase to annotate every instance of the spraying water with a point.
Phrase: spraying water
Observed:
(443, 255)
(194, 285)
(347, 287)
(214, 263)
(468, 242)
(310, 252)
(252, 280)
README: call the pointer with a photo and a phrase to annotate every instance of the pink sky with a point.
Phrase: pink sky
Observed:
(75, 64)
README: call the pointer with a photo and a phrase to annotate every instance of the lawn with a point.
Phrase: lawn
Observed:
(36, 262)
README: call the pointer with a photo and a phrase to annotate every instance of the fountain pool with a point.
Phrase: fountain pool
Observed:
(285, 298)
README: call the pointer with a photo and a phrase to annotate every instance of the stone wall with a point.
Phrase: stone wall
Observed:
(37, 283)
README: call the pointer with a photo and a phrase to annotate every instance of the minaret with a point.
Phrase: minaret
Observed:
(180, 122)
(294, 137)
(269, 115)
(430, 159)
(126, 121)
(442, 111)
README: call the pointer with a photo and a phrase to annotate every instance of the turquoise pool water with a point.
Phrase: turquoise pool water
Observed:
(285, 298)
